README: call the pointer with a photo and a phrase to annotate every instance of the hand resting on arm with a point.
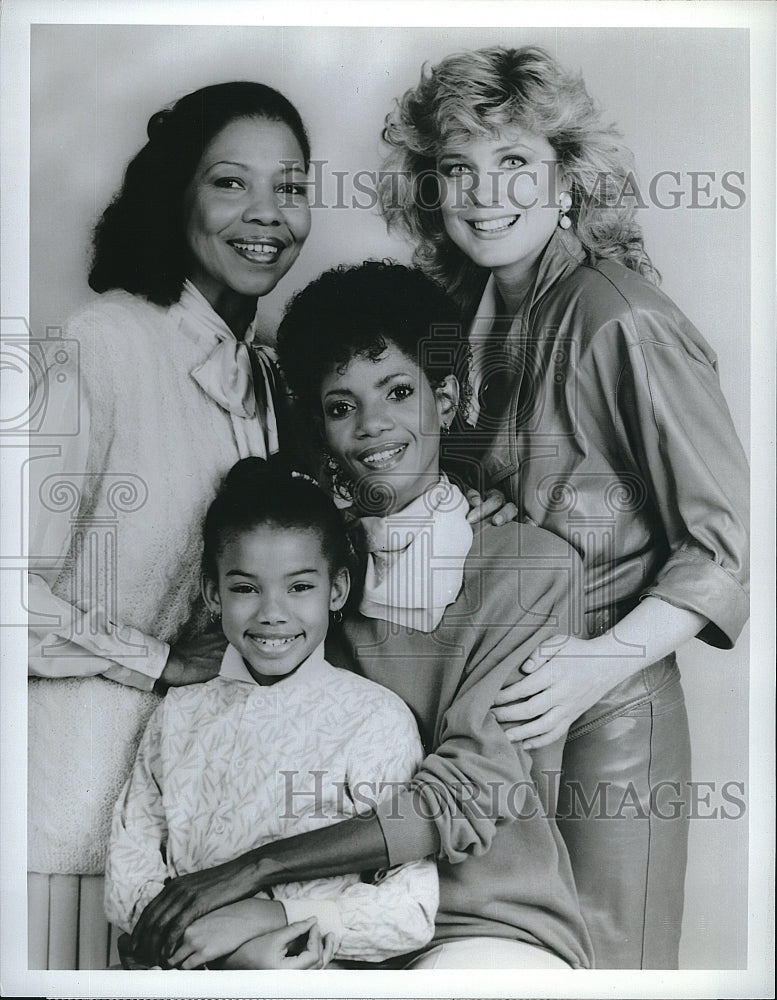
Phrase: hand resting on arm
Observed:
(354, 845)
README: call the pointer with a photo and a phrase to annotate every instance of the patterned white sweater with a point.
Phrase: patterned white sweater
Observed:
(230, 765)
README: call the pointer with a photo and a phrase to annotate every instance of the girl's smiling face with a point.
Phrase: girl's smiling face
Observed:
(382, 424)
(246, 208)
(274, 591)
(500, 198)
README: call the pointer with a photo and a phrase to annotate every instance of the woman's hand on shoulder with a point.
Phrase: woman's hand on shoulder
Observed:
(194, 662)
(562, 679)
(494, 507)
(565, 676)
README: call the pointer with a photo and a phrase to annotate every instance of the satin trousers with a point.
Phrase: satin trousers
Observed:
(623, 812)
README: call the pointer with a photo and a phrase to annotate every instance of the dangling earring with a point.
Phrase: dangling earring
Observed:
(215, 616)
(340, 483)
(565, 203)
(445, 428)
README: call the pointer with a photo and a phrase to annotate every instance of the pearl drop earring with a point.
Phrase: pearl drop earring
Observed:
(565, 203)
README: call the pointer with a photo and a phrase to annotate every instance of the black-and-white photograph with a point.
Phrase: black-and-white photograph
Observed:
(377, 453)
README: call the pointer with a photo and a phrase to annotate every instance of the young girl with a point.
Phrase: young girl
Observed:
(447, 611)
(279, 743)
(211, 215)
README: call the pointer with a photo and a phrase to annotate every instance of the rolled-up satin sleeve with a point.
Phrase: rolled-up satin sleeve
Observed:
(678, 425)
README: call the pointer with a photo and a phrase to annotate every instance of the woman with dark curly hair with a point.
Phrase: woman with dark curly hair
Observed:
(445, 611)
(597, 409)
(171, 391)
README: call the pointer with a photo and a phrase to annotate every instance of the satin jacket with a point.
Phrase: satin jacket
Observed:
(606, 424)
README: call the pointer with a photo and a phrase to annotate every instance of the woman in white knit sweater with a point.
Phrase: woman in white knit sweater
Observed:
(153, 394)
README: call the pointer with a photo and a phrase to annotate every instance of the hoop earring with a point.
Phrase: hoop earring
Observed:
(337, 616)
(565, 203)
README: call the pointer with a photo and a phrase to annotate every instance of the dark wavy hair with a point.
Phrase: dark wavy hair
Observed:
(257, 492)
(479, 93)
(139, 243)
(353, 311)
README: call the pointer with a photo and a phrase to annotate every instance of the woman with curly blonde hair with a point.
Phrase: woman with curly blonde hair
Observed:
(486, 91)
(596, 407)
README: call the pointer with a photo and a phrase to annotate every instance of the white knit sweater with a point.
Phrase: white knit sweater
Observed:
(116, 522)
(230, 765)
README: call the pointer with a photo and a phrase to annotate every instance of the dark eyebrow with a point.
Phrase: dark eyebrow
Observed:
(228, 163)
(250, 576)
(388, 378)
(378, 385)
(283, 166)
(518, 144)
(509, 147)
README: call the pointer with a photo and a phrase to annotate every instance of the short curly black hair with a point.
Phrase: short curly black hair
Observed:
(139, 243)
(353, 311)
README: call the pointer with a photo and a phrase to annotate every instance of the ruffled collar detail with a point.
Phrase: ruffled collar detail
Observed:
(236, 374)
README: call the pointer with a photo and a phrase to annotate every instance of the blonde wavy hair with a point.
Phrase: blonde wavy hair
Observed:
(479, 93)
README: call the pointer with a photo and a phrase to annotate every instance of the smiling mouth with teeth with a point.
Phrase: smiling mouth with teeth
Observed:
(494, 225)
(257, 251)
(379, 457)
(273, 643)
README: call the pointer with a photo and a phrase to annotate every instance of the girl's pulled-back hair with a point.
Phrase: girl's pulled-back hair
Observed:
(139, 244)
(257, 493)
(353, 311)
(480, 93)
